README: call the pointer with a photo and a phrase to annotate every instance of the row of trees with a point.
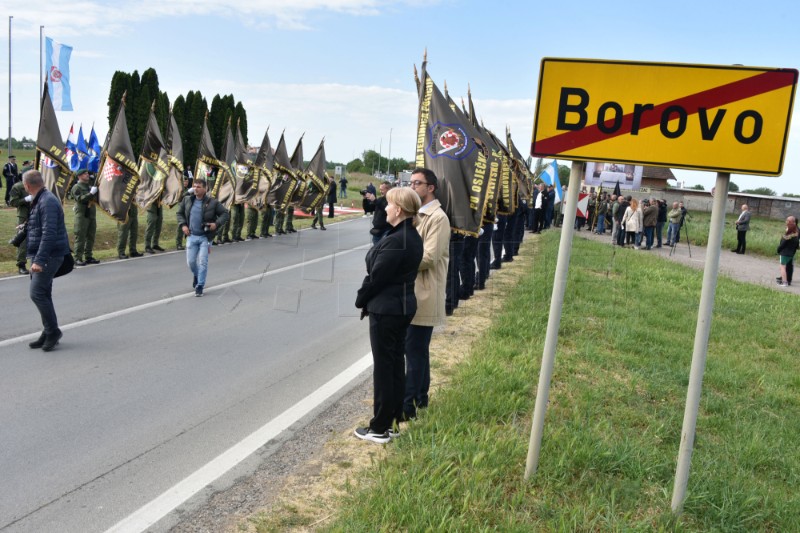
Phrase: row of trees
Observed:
(189, 111)
(371, 162)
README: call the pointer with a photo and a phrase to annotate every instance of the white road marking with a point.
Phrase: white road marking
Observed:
(158, 508)
(163, 301)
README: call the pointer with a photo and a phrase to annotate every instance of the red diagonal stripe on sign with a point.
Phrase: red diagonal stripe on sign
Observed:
(711, 98)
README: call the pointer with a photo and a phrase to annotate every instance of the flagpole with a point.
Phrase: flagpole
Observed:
(9, 84)
(41, 68)
(389, 157)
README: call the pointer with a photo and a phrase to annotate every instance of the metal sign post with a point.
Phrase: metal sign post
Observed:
(554, 320)
(701, 341)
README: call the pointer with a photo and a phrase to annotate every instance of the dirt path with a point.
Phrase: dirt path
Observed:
(754, 269)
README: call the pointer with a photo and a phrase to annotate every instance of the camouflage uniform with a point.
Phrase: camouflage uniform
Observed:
(16, 198)
(85, 226)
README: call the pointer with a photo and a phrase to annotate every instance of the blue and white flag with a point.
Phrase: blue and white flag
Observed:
(83, 153)
(58, 74)
(550, 176)
(94, 152)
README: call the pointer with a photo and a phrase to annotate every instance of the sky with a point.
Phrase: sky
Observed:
(343, 69)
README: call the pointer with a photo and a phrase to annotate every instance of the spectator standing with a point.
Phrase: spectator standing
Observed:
(380, 224)
(674, 217)
(20, 199)
(387, 297)
(11, 174)
(787, 249)
(650, 219)
(742, 226)
(343, 187)
(429, 289)
(660, 221)
(85, 224)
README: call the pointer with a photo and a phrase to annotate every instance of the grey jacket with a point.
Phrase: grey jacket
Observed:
(743, 223)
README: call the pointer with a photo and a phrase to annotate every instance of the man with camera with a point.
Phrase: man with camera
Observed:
(199, 216)
(19, 198)
(85, 194)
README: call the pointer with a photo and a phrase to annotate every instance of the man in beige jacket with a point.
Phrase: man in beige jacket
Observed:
(429, 289)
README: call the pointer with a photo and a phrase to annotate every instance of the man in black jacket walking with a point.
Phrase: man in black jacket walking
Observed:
(199, 216)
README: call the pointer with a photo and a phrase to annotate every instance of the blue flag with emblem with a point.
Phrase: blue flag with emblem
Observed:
(550, 176)
(94, 150)
(58, 55)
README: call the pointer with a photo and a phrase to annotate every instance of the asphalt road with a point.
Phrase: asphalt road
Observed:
(149, 383)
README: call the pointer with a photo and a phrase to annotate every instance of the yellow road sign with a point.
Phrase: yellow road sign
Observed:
(702, 117)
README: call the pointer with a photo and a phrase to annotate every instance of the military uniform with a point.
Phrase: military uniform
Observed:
(266, 221)
(16, 198)
(152, 232)
(290, 219)
(318, 218)
(251, 220)
(85, 227)
(237, 221)
(280, 216)
(128, 234)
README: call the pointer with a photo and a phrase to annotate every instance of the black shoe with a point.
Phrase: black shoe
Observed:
(323, 228)
(50, 341)
(214, 243)
(280, 232)
(226, 240)
(495, 265)
(198, 291)
(313, 226)
(238, 239)
(149, 250)
(194, 282)
(92, 261)
(254, 237)
(480, 286)
(507, 259)
(266, 235)
(80, 263)
(38, 343)
(23, 271)
(157, 248)
(448, 311)
(122, 256)
(291, 230)
(179, 247)
(135, 254)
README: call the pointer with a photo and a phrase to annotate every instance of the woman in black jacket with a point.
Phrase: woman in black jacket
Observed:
(387, 296)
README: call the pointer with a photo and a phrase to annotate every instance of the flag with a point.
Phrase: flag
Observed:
(244, 171)
(224, 190)
(94, 149)
(82, 150)
(72, 149)
(265, 168)
(296, 161)
(317, 182)
(51, 153)
(173, 185)
(493, 164)
(582, 209)
(550, 176)
(450, 146)
(280, 193)
(57, 68)
(118, 175)
(153, 164)
(617, 192)
(208, 167)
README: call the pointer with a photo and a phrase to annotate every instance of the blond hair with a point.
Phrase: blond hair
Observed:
(407, 200)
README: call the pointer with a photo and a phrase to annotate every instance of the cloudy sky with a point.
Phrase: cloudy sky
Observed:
(343, 69)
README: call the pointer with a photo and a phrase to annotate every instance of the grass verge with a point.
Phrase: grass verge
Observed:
(614, 421)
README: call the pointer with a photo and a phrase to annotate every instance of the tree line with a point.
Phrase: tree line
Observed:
(189, 111)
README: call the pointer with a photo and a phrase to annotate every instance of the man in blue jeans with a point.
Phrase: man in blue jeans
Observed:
(199, 216)
(47, 245)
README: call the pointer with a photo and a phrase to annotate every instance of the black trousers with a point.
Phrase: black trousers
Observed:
(741, 241)
(453, 268)
(497, 237)
(387, 335)
(484, 255)
(510, 235)
(418, 369)
(467, 266)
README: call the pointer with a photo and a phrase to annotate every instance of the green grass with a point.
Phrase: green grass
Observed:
(613, 426)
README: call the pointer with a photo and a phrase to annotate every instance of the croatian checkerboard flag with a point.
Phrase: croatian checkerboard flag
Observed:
(58, 74)
(550, 176)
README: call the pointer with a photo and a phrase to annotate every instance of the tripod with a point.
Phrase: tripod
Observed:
(684, 224)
